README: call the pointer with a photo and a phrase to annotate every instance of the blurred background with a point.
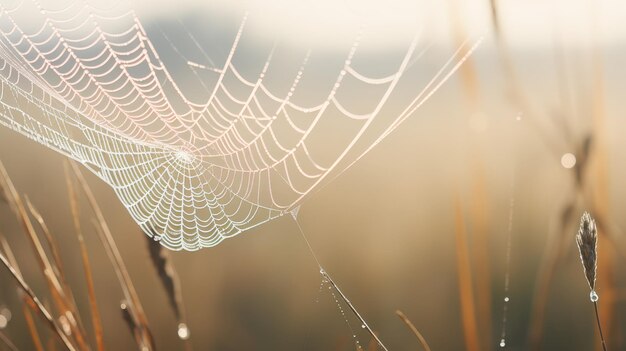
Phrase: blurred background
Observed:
(506, 154)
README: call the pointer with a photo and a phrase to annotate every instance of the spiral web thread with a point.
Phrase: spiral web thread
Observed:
(88, 83)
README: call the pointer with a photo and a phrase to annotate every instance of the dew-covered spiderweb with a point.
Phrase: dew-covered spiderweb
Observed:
(89, 83)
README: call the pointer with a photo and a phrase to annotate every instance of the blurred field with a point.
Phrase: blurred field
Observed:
(385, 228)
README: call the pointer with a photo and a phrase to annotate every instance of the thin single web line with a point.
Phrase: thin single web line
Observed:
(509, 239)
(507, 273)
(419, 55)
(308, 244)
(334, 285)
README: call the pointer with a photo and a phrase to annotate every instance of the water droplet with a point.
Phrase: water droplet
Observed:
(502, 343)
(568, 160)
(183, 331)
(506, 299)
(593, 296)
(6, 313)
(363, 326)
(3, 321)
(65, 325)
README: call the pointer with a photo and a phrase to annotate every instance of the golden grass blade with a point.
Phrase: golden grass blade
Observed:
(66, 293)
(466, 292)
(91, 293)
(419, 336)
(57, 265)
(39, 306)
(3, 195)
(11, 259)
(32, 327)
(467, 72)
(73, 198)
(93, 304)
(6, 341)
(470, 83)
(22, 216)
(481, 256)
(9, 254)
(104, 233)
(129, 313)
(51, 344)
(10, 263)
(59, 294)
(373, 346)
(109, 243)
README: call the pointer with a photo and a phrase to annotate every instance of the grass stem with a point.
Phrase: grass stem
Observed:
(595, 307)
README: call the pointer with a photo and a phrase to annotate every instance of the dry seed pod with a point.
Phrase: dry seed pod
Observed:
(587, 240)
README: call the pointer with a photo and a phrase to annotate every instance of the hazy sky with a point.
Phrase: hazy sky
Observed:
(532, 23)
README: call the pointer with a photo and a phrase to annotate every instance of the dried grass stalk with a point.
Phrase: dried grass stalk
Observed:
(104, 233)
(7, 342)
(412, 327)
(67, 303)
(56, 257)
(32, 327)
(93, 304)
(466, 291)
(56, 289)
(39, 306)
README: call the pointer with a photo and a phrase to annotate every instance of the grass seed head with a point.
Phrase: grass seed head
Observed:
(587, 240)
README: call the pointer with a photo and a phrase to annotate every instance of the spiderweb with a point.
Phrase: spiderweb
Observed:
(89, 83)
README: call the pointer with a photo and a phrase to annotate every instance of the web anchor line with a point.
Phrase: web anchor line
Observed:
(336, 288)
(509, 239)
